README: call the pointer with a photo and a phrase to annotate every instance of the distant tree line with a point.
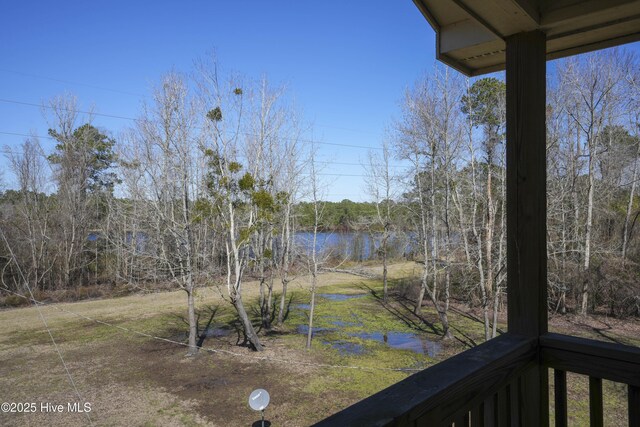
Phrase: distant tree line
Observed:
(345, 215)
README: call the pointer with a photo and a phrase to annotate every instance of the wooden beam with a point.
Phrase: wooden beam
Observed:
(527, 209)
(526, 184)
(555, 12)
(615, 362)
(531, 8)
(457, 35)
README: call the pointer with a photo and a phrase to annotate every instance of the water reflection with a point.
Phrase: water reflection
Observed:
(345, 348)
(355, 245)
(304, 329)
(217, 332)
(402, 341)
(341, 297)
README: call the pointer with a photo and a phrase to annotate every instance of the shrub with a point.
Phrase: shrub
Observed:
(14, 301)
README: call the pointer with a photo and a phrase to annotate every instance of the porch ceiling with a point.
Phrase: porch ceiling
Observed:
(470, 34)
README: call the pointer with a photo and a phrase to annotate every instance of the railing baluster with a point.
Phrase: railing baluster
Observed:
(595, 402)
(490, 418)
(503, 407)
(634, 406)
(560, 395)
(462, 420)
(477, 416)
(514, 402)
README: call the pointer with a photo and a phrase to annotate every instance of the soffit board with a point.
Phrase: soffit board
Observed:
(470, 34)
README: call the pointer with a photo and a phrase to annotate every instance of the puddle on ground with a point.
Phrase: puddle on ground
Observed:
(304, 329)
(217, 332)
(341, 297)
(343, 324)
(345, 348)
(396, 340)
(302, 306)
(403, 341)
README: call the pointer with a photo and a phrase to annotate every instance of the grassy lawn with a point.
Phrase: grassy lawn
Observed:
(361, 346)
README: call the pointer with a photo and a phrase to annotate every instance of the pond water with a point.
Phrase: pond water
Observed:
(341, 297)
(355, 245)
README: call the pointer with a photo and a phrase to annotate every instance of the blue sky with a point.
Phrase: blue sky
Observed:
(346, 63)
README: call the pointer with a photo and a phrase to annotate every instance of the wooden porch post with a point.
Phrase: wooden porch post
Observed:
(526, 209)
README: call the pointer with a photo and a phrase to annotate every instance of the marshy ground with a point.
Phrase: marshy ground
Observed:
(360, 346)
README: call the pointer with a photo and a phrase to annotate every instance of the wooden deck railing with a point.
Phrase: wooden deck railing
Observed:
(599, 360)
(486, 385)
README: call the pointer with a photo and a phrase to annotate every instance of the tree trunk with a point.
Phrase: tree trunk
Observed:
(249, 331)
(625, 232)
(191, 310)
(312, 307)
(385, 292)
(588, 227)
(284, 268)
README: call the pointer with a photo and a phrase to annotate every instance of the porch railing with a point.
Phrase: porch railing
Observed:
(599, 360)
(487, 385)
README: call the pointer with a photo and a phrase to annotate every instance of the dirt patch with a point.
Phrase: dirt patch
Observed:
(139, 381)
(219, 385)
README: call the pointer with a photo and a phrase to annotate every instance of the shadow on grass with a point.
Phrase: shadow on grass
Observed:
(602, 332)
(405, 313)
(202, 332)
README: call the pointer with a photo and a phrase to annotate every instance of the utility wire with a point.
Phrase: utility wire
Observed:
(328, 162)
(35, 76)
(25, 135)
(21, 73)
(325, 162)
(75, 388)
(209, 350)
(70, 110)
(8, 151)
(113, 116)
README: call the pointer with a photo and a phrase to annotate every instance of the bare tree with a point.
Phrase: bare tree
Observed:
(591, 85)
(380, 186)
(427, 132)
(635, 124)
(231, 191)
(162, 158)
(318, 207)
(71, 175)
(30, 168)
